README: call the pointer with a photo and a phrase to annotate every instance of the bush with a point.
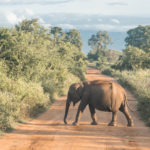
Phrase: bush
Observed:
(32, 97)
(133, 58)
(20, 100)
(9, 110)
(55, 81)
(107, 71)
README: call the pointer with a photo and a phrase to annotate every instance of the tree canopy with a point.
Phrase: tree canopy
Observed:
(74, 37)
(137, 52)
(98, 43)
(34, 52)
(139, 37)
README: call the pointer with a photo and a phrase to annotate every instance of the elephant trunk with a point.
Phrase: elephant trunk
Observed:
(66, 110)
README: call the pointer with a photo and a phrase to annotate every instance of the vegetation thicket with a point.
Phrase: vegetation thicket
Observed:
(132, 67)
(36, 65)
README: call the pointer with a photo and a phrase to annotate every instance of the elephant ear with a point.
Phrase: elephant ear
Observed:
(80, 90)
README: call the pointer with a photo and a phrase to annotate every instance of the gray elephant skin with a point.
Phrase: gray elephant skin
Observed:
(101, 95)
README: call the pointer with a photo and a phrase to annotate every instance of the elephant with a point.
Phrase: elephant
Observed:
(101, 95)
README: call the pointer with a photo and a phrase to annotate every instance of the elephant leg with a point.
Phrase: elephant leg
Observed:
(124, 110)
(93, 115)
(81, 108)
(114, 119)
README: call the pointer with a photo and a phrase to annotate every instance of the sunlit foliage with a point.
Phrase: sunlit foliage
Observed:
(36, 65)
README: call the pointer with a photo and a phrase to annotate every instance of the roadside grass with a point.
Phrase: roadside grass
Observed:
(138, 81)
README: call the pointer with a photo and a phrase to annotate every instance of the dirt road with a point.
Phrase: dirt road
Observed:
(48, 131)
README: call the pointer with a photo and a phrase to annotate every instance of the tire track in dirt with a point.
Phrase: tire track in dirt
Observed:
(48, 132)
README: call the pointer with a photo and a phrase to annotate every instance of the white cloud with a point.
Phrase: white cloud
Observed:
(12, 18)
(102, 7)
(98, 14)
(67, 26)
(19, 15)
(115, 21)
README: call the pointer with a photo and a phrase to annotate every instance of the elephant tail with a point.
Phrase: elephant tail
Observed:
(126, 102)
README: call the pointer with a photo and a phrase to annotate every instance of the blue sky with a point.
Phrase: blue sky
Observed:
(109, 15)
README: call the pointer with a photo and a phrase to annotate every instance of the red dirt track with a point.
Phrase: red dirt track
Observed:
(48, 132)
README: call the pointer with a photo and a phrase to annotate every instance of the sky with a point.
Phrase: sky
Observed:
(109, 15)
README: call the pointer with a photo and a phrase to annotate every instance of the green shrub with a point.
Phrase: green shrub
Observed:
(32, 97)
(133, 58)
(9, 110)
(107, 71)
(20, 100)
(57, 82)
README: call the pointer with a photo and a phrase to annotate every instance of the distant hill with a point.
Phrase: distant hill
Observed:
(117, 38)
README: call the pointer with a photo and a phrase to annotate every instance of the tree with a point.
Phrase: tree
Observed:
(29, 26)
(7, 39)
(139, 37)
(98, 43)
(56, 32)
(32, 52)
(74, 37)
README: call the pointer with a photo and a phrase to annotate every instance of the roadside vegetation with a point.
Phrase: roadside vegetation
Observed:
(36, 66)
(131, 66)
